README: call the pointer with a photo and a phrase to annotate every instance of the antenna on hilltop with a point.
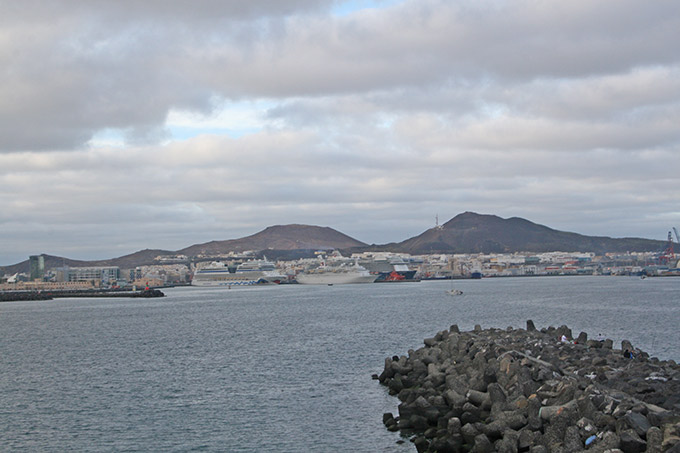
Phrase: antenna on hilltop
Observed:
(437, 226)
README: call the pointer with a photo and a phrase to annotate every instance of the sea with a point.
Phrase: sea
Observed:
(272, 368)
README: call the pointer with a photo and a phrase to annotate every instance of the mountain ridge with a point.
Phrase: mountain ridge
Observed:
(470, 232)
(467, 232)
(279, 237)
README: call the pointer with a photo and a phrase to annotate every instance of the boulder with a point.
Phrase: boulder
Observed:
(637, 422)
(469, 432)
(671, 436)
(421, 444)
(480, 399)
(454, 426)
(609, 441)
(548, 412)
(482, 444)
(654, 438)
(631, 442)
(508, 444)
(445, 445)
(454, 399)
(516, 390)
(572, 439)
(415, 422)
(538, 449)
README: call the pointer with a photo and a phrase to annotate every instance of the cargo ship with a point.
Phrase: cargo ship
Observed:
(391, 269)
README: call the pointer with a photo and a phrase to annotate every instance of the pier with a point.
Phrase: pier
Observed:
(12, 296)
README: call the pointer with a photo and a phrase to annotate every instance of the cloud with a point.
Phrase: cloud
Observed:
(170, 123)
(77, 68)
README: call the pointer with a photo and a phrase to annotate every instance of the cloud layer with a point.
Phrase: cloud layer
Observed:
(162, 124)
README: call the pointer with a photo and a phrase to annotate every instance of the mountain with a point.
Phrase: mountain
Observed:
(466, 233)
(477, 233)
(279, 241)
(141, 258)
(50, 263)
(279, 237)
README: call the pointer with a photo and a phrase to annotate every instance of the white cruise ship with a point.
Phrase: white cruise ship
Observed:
(254, 272)
(335, 275)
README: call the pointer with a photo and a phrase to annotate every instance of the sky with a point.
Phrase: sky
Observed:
(162, 124)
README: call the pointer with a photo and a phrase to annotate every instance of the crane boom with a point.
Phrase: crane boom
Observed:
(677, 238)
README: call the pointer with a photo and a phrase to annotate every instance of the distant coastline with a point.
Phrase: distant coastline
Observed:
(466, 233)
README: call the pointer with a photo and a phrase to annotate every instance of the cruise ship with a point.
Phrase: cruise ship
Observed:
(335, 275)
(334, 269)
(254, 272)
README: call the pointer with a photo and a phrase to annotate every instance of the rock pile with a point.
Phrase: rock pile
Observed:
(12, 296)
(518, 390)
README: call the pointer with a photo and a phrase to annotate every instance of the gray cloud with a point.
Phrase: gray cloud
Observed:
(565, 113)
(80, 67)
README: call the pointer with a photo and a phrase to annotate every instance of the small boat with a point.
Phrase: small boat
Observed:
(454, 292)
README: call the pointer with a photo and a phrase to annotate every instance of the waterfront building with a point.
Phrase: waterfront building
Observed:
(100, 275)
(45, 286)
(37, 266)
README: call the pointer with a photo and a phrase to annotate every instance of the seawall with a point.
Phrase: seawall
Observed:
(530, 390)
(12, 296)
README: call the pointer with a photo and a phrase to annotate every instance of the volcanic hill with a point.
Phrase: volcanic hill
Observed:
(279, 237)
(466, 233)
(478, 233)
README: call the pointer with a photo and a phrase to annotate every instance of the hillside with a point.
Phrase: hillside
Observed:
(281, 240)
(466, 233)
(476, 233)
(51, 262)
(141, 258)
(279, 237)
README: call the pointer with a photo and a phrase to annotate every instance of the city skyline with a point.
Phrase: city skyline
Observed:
(463, 234)
(165, 124)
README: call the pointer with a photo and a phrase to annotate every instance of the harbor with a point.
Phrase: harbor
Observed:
(280, 368)
(373, 226)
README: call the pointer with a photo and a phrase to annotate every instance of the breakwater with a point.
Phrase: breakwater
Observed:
(12, 296)
(530, 390)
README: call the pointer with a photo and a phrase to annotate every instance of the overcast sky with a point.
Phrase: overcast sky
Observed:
(127, 125)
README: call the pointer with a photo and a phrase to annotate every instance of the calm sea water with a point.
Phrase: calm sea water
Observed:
(275, 368)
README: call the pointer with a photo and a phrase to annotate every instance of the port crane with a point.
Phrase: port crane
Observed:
(668, 254)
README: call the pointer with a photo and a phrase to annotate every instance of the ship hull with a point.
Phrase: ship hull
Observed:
(407, 276)
(332, 278)
(235, 279)
(230, 282)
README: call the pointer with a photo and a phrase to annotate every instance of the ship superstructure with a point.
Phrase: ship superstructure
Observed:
(253, 272)
(335, 270)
